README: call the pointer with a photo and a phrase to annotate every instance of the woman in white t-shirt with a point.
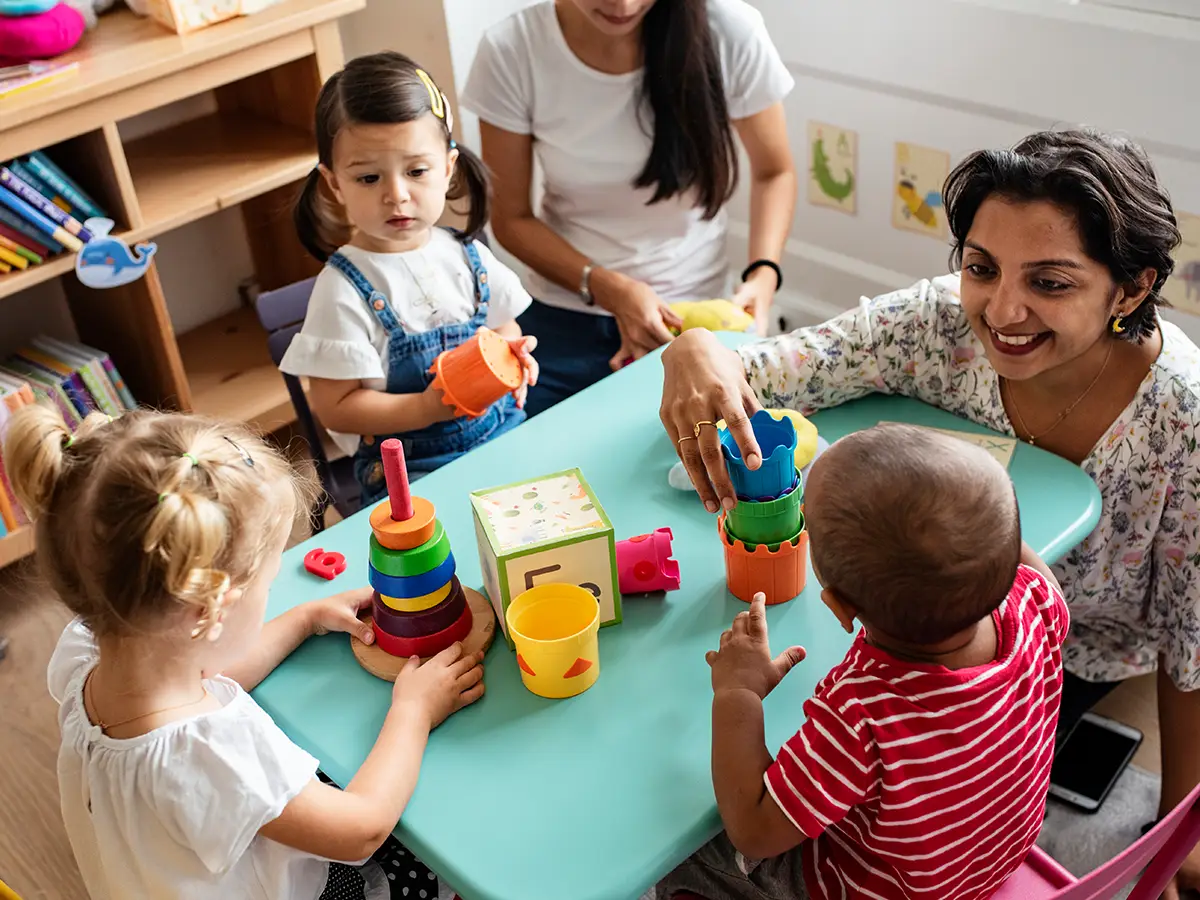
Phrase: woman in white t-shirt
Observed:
(631, 108)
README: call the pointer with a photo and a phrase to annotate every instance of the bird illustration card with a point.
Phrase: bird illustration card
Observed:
(999, 446)
(917, 198)
(832, 167)
(1182, 289)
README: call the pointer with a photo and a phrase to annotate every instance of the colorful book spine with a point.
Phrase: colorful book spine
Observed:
(56, 232)
(126, 395)
(64, 223)
(8, 521)
(12, 259)
(87, 362)
(30, 236)
(71, 382)
(26, 174)
(90, 370)
(15, 247)
(45, 169)
(48, 391)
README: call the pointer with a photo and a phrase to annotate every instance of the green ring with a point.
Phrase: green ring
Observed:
(417, 561)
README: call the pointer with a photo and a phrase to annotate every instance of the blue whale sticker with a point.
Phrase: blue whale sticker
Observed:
(106, 261)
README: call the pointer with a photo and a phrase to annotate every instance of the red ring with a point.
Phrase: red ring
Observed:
(427, 645)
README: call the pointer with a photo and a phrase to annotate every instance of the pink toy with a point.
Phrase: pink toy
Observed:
(644, 563)
(324, 565)
(40, 36)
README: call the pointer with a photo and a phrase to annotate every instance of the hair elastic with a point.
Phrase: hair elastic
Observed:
(192, 457)
(453, 144)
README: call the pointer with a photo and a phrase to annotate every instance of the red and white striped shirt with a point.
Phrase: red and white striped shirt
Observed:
(920, 782)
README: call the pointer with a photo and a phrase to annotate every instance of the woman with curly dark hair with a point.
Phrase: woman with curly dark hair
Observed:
(1048, 331)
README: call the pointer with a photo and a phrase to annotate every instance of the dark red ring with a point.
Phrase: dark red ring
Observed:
(430, 644)
(427, 621)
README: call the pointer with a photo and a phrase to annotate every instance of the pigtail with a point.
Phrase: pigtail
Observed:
(186, 533)
(314, 219)
(471, 180)
(34, 454)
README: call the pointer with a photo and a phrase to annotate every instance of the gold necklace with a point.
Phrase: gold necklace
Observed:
(89, 700)
(1033, 438)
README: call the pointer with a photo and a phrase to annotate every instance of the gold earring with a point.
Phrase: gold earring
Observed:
(1117, 327)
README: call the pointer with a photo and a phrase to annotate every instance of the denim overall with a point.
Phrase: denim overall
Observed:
(409, 359)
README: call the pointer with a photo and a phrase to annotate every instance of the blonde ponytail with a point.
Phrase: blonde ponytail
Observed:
(33, 455)
(146, 523)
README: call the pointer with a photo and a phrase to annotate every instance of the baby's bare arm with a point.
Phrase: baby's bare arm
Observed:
(756, 825)
(1031, 559)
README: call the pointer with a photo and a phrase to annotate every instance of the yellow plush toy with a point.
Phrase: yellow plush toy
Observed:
(715, 315)
(806, 434)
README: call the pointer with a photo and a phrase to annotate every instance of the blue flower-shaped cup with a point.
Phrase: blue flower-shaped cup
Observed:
(777, 474)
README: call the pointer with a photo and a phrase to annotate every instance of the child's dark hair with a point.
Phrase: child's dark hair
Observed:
(1107, 182)
(918, 531)
(379, 89)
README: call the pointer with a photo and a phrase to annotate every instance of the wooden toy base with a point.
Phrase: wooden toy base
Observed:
(383, 665)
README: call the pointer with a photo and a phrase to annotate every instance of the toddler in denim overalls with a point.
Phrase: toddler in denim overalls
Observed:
(402, 290)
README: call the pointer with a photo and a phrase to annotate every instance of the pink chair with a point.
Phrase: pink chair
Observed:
(1160, 851)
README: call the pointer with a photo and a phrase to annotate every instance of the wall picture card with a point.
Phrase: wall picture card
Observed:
(1182, 289)
(920, 173)
(832, 167)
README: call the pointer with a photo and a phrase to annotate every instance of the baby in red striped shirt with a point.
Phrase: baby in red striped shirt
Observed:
(921, 768)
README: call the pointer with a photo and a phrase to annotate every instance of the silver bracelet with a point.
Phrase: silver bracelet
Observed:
(585, 290)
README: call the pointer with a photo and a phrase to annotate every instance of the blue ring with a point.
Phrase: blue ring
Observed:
(409, 586)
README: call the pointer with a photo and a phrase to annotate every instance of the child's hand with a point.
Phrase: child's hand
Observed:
(744, 661)
(441, 686)
(340, 613)
(524, 347)
(435, 404)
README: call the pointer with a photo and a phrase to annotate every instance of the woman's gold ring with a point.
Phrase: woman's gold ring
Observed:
(686, 437)
(699, 425)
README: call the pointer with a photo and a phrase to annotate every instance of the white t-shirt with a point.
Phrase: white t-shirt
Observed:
(591, 146)
(342, 338)
(174, 814)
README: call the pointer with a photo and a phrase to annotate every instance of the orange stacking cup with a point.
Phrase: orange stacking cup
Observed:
(477, 373)
(779, 573)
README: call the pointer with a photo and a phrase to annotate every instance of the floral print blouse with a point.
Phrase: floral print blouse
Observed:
(1133, 585)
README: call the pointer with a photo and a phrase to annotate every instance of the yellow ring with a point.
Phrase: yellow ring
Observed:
(686, 437)
(699, 425)
(416, 604)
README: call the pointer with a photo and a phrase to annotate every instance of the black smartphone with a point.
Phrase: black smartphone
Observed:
(1089, 762)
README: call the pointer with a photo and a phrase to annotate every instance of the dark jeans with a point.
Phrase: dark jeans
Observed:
(573, 352)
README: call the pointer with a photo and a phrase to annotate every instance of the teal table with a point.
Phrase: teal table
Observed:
(595, 797)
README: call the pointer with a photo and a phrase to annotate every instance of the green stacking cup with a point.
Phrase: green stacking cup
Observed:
(767, 522)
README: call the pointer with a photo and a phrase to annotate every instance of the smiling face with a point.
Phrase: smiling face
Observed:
(392, 181)
(615, 18)
(1034, 298)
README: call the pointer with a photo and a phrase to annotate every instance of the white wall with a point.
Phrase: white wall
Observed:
(957, 75)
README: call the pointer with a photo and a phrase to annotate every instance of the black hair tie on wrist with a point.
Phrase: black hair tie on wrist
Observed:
(764, 263)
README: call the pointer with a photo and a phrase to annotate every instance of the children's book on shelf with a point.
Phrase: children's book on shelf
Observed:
(70, 381)
(46, 389)
(42, 212)
(88, 365)
(13, 395)
(56, 179)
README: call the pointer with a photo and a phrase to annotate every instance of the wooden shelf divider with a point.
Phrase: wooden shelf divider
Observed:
(265, 72)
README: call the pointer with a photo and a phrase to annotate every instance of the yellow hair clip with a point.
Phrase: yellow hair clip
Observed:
(436, 106)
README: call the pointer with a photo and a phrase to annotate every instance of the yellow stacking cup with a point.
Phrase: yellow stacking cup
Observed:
(556, 631)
